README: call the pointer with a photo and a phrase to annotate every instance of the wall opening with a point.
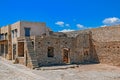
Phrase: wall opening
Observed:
(2, 48)
(86, 57)
(33, 44)
(21, 49)
(86, 53)
(1, 36)
(66, 52)
(6, 35)
(12, 32)
(27, 32)
(50, 52)
(16, 33)
(14, 51)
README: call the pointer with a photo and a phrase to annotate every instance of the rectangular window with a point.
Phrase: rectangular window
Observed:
(27, 32)
(2, 48)
(16, 33)
(50, 52)
(6, 35)
(12, 33)
(0, 36)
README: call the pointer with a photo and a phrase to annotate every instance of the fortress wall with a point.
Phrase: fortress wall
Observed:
(108, 52)
(106, 34)
(106, 42)
(101, 34)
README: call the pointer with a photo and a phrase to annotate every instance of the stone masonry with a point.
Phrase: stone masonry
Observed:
(34, 45)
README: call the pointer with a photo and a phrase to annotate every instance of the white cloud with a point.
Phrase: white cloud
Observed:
(111, 21)
(66, 30)
(103, 26)
(80, 26)
(68, 25)
(60, 23)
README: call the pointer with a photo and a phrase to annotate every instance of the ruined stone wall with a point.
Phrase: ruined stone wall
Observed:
(82, 45)
(80, 51)
(107, 44)
(104, 44)
(108, 52)
(85, 52)
(102, 34)
(42, 44)
(106, 34)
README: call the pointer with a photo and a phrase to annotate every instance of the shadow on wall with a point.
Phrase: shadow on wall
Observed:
(94, 54)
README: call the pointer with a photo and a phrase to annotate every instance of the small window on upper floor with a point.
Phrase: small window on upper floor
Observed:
(12, 32)
(6, 36)
(27, 32)
(16, 33)
(2, 36)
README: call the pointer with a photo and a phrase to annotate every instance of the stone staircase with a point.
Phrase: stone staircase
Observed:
(31, 53)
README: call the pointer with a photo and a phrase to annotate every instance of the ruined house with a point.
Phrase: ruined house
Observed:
(33, 45)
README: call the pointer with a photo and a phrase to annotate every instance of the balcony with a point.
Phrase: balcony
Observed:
(3, 37)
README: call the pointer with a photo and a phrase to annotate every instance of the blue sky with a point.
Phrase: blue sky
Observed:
(62, 15)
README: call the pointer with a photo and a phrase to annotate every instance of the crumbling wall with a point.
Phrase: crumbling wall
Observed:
(106, 34)
(85, 49)
(82, 45)
(108, 52)
(41, 48)
(79, 47)
(41, 45)
(104, 44)
(101, 34)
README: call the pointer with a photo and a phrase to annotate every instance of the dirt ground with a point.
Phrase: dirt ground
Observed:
(9, 71)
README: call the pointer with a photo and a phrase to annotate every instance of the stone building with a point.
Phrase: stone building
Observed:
(106, 43)
(33, 45)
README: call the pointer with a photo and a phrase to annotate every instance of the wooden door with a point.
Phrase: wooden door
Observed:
(66, 55)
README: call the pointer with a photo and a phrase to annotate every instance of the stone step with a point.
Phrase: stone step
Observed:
(31, 52)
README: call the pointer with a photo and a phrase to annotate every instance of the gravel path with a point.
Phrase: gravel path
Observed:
(10, 71)
(83, 72)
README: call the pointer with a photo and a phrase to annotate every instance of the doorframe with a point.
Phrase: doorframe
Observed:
(68, 60)
(14, 54)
